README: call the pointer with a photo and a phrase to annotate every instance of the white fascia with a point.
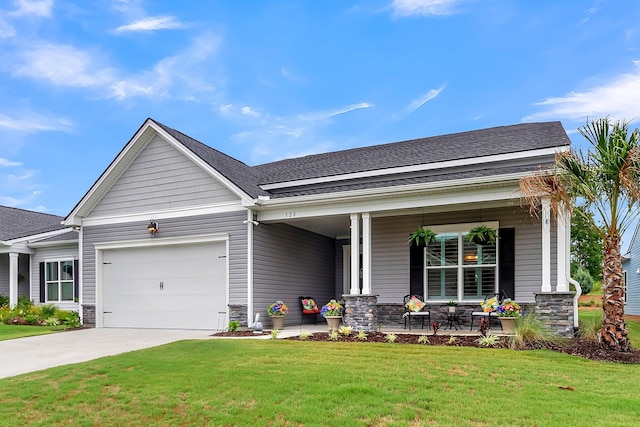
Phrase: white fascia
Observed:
(35, 237)
(164, 214)
(416, 168)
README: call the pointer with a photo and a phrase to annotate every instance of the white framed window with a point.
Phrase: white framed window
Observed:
(459, 270)
(58, 276)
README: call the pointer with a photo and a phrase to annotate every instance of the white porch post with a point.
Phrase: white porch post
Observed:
(563, 242)
(355, 254)
(13, 279)
(546, 245)
(366, 253)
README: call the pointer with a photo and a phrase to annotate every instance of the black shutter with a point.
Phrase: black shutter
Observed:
(507, 267)
(76, 280)
(416, 270)
(42, 282)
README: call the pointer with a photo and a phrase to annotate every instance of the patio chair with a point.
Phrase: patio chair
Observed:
(309, 308)
(414, 306)
(485, 314)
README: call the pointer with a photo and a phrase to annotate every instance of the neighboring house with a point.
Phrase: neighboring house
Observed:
(631, 267)
(38, 258)
(233, 239)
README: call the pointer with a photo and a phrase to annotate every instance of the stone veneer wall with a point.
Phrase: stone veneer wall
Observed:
(361, 312)
(239, 312)
(89, 315)
(555, 309)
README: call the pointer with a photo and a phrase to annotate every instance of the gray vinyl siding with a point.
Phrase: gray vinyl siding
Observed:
(230, 223)
(390, 253)
(161, 178)
(290, 262)
(633, 278)
(23, 269)
(4, 274)
(64, 252)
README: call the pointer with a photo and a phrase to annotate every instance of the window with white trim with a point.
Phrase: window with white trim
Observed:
(457, 269)
(59, 280)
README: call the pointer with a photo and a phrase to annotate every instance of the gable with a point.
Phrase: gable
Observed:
(161, 178)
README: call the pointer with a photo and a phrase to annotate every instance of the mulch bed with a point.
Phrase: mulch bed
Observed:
(575, 346)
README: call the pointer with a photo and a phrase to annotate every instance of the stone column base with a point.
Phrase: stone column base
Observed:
(555, 310)
(360, 312)
(239, 312)
(88, 315)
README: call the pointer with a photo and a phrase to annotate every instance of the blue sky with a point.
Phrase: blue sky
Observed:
(264, 80)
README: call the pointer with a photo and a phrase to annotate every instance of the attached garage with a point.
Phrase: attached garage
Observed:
(168, 284)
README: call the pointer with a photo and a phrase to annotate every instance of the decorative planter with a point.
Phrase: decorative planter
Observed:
(508, 325)
(333, 322)
(452, 309)
(278, 322)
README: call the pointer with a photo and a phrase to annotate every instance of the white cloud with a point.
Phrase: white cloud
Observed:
(61, 65)
(419, 102)
(151, 23)
(28, 122)
(617, 98)
(8, 163)
(19, 202)
(423, 7)
(332, 113)
(40, 8)
(248, 111)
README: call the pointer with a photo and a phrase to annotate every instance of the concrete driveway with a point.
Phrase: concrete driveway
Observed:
(31, 354)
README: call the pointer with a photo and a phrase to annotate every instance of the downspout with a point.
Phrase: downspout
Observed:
(575, 301)
(250, 223)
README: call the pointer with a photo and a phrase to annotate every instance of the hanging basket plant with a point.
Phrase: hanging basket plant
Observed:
(483, 235)
(422, 237)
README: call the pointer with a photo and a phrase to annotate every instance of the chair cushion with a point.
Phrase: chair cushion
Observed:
(415, 304)
(309, 306)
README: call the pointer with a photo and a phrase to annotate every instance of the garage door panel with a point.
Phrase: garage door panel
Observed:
(176, 286)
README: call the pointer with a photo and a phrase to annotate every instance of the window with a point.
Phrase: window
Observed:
(457, 269)
(59, 280)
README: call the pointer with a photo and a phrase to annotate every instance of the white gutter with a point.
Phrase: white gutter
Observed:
(575, 300)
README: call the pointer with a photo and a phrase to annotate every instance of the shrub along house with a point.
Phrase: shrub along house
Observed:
(175, 234)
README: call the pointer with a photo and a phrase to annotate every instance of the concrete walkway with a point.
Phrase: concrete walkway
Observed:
(23, 355)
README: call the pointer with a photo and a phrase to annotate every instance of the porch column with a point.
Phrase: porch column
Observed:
(13, 279)
(563, 245)
(355, 254)
(546, 245)
(366, 253)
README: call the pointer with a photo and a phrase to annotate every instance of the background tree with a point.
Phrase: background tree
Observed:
(607, 181)
(586, 244)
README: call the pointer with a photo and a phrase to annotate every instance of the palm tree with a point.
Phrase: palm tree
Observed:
(607, 181)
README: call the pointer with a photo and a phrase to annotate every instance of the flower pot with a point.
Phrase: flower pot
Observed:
(452, 309)
(278, 322)
(508, 325)
(333, 322)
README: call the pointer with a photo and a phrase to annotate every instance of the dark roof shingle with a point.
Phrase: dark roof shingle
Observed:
(16, 223)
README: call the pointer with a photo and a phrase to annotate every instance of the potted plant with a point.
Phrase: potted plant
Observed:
(452, 306)
(277, 311)
(422, 237)
(482, 235)
(508, 311)
(332, 312)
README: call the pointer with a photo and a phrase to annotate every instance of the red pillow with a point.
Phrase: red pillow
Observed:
(309, 306)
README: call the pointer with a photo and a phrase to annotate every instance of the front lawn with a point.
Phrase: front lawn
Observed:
(9, 332)
(258, 382)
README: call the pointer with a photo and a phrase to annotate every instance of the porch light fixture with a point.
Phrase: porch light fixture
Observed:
(152, 228)
(469, 257)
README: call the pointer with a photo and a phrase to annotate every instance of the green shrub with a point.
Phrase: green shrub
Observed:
(583, 277)
(24, 303)
(530, 330)
(234, 325)
(4, 301)
(589, 326)
(47, 310)
(32, 319)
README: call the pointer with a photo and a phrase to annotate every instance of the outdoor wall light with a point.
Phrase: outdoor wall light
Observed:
(152, 228)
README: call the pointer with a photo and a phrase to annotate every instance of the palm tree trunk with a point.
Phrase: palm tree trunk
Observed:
(613, 333)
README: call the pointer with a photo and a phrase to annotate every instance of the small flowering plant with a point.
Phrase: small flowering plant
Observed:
(278, 308)
(332, 308)
(509, 308)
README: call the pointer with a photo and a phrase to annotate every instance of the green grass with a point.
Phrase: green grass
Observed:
(633, 326)
(276, 382)
(9, 332)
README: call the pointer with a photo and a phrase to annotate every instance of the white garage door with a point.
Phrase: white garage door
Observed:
(174, 286)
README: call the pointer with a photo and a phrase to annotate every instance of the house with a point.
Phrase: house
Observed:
(175, 234)
(631, 267)
(38, 258)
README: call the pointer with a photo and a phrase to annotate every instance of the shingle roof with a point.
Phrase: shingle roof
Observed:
(483, 142)
(472, 144)
(16, 223)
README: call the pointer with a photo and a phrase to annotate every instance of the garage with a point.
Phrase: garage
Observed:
(164, 286)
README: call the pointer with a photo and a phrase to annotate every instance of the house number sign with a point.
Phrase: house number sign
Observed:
(289, 214)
